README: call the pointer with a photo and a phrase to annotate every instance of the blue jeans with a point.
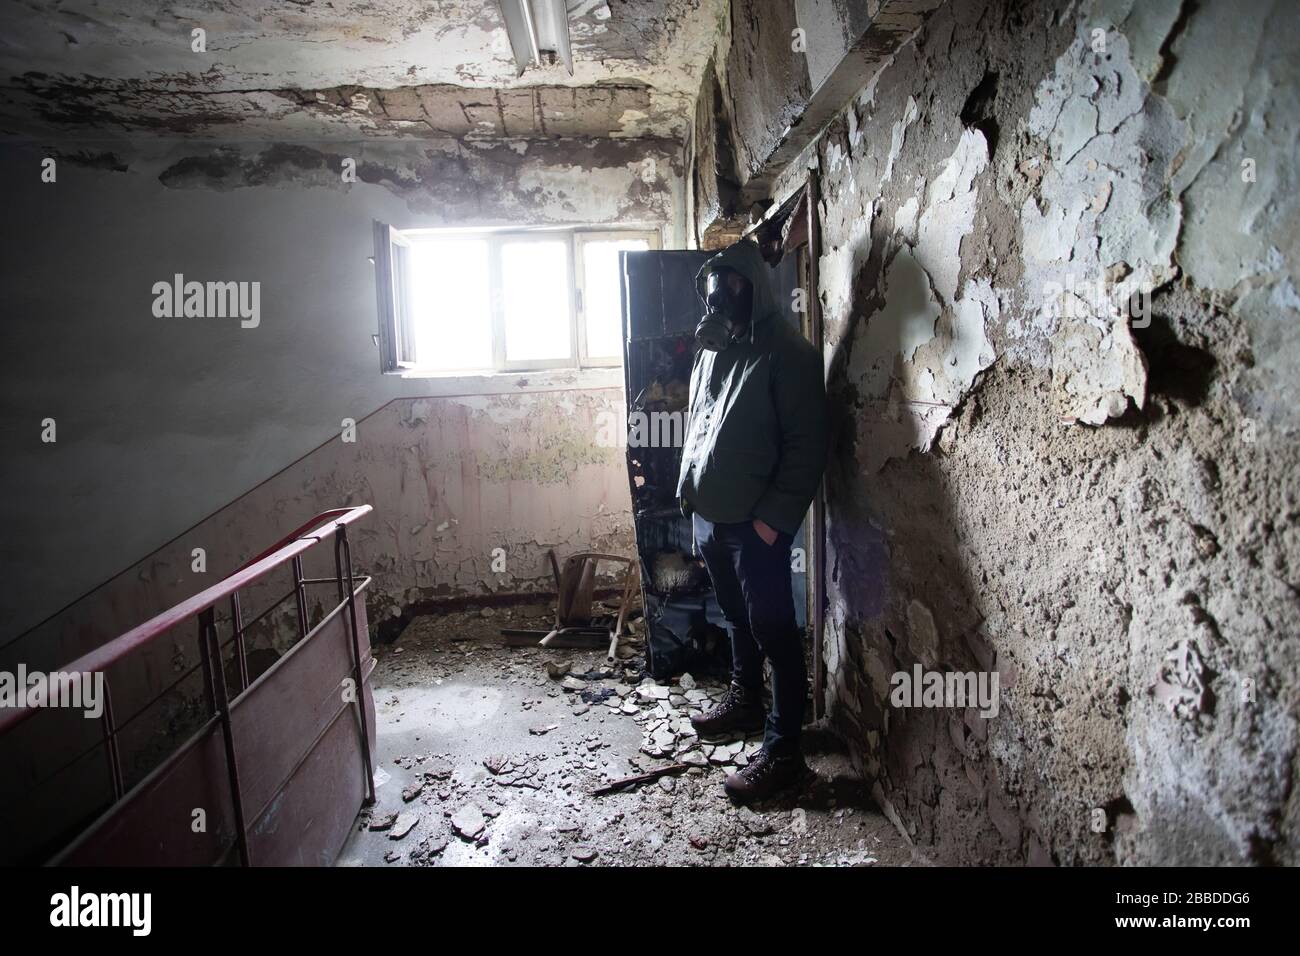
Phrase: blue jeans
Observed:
(751, 580)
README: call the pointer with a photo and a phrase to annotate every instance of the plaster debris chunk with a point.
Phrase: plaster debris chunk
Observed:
(404, 824)
(468, 822)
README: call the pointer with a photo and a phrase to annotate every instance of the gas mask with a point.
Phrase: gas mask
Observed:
(728, 312)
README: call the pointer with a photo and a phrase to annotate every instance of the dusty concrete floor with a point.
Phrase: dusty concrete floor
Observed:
(486, 759)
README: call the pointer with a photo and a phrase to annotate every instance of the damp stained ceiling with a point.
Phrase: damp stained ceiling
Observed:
(303, 70)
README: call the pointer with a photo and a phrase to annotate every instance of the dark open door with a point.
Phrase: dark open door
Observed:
(685, 629)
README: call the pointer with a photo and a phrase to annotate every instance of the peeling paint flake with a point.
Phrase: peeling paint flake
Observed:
(949, 214)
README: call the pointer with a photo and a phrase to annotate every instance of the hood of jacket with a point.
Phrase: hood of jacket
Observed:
(744, 257)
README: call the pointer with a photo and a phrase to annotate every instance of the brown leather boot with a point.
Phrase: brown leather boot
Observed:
(763, 776)
(739, 712)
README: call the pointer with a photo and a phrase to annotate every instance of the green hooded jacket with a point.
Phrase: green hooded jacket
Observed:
(756, 440)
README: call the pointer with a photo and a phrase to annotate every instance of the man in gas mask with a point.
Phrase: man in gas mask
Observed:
(753, 458)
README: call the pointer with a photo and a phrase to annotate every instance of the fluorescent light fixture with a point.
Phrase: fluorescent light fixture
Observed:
(536, 27)
(552, 21)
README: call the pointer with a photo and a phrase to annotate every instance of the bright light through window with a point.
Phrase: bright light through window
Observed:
(535, 290)
(450, 306)
(456, 301)
(602, 303)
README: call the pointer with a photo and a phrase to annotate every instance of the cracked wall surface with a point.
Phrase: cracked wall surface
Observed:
(1038, 472)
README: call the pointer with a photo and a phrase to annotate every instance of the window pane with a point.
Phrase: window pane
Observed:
(602, 304)
(535, 299)
(450, 307)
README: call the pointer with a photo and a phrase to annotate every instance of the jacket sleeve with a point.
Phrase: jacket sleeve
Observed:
(799, 395)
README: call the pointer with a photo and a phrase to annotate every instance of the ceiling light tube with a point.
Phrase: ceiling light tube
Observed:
(535, 27)
(522, 32)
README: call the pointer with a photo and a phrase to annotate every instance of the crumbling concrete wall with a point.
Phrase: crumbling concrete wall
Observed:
(162, 422)
(713, 180)
(778, 75)
(1039, 476)
(767, 79)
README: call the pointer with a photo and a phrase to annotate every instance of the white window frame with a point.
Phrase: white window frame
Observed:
(497, 296)
(396, 339)
(580, 240)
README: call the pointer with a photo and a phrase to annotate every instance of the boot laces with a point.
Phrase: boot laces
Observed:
(759, 766)
(732, 699)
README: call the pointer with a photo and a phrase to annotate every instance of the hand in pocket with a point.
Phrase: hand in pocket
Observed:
(765, 531)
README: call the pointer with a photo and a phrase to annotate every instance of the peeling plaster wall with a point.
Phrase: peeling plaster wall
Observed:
(709, 172)
(768, 81)
(454, 182)
(1028, 480)
(450, 480)
(779, 73)
(161, 422)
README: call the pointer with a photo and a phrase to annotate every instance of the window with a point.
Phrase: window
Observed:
(483, 301)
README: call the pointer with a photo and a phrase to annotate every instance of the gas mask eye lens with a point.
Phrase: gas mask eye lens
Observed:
(714, 330)
(716, 289)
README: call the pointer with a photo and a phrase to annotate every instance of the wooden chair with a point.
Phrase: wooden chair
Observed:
(576, 585)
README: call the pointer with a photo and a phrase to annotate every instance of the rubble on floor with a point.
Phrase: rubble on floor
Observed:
(498, 753)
